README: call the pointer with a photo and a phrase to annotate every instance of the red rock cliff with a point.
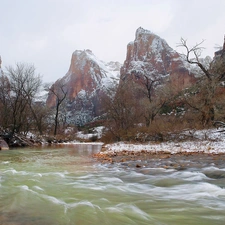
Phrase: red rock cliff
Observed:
(150, 55)
(85, 82)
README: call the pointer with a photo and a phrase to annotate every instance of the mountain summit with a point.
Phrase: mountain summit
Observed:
(150, 55)
(88, 78)
(86, 82)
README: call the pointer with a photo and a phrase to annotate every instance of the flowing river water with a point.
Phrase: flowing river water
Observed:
(65, 185)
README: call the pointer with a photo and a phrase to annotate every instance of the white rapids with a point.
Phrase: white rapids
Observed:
(66, 186)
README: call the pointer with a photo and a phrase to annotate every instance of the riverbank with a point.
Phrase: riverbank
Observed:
(207, 144)
(178, 161)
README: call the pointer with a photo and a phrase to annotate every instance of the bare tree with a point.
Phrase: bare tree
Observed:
(153, 99)
(40, 116)
(4, 101)
(122, 110)
(202, 95)
(59, 92)
(24, 85)
(150, 92)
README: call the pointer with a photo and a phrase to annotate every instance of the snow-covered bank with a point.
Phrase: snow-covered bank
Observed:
(205, 141)
(81, 143)
(170, 147)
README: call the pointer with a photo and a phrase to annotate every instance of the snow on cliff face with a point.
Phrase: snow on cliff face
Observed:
(147, 43)
(89, 73)
(150, 55)
(87, 81)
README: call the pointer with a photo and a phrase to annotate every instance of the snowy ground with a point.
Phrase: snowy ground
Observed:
(204, 141)
(97, 131)
(207, 141)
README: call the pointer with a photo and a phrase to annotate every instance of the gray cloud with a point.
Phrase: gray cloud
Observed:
(46, 32)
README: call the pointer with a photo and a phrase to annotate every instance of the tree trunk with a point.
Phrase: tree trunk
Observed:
(208, 115)
(56, 118)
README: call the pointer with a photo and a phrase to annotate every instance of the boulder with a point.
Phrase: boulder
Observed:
(3, 145)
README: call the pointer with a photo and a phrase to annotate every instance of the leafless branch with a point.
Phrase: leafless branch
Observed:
(196, 51)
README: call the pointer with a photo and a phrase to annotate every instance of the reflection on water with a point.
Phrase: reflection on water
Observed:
(65, 186)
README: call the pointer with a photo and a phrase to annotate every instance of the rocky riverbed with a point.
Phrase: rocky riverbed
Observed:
(179, 161)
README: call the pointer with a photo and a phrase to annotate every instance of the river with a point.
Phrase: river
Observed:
(65, 186)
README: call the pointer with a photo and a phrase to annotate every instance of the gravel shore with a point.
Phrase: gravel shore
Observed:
(166, 160)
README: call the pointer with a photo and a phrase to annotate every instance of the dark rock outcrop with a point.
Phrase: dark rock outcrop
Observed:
(3, 145)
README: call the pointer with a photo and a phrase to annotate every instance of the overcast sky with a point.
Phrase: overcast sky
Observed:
(45, 33)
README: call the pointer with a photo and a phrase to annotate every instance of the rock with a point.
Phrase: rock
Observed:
(86, 82)
(88, 77)
(150, 55)
(164, 156)
(103, 149)
(3, 145)
(123, 160)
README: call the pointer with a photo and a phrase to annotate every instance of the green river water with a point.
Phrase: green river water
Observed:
(64, 185)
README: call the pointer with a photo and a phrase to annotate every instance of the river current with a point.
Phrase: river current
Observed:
(65, 186)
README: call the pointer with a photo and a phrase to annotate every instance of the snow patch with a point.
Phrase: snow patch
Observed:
(210, 141)
(104, 74)
(97, 131)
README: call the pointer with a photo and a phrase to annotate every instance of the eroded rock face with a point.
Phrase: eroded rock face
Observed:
(86, 82)
(150, 55)
(88, 77)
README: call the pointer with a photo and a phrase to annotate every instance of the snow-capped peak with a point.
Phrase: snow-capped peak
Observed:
(141, 31)
(88, 64)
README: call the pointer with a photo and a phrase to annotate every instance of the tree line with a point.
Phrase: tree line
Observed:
(142, 107)
(146, 107)
(23, 108)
